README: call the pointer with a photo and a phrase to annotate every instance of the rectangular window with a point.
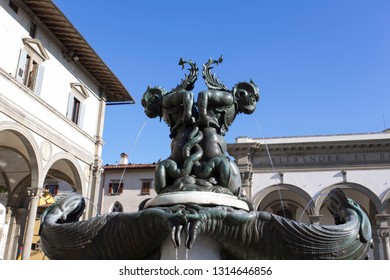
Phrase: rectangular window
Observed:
(52, 189)
(115, 188)
(13, 6)
(31, 71)
(76, 110)
(145, 188)
(28, 70)
(33, 30)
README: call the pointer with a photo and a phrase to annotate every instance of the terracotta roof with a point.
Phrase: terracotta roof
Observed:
(77, 47)
(131, 166)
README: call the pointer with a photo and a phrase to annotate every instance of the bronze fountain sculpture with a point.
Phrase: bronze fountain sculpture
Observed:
(199, 194)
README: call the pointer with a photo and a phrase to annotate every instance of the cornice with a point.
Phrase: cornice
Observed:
(364, 146)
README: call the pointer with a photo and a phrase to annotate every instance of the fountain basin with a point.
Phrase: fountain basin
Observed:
(199, 198)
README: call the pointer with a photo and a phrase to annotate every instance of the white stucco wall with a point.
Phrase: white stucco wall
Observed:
(59, 74)
(132, 183)
(313, 182)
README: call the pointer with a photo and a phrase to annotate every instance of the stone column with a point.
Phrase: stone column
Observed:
(32, 215)
(376, 252)
(97, 169)
(94, 191)
(4, 244)
(16, 219)
(383, 227)
(246, 181)
(315, 219)
(242, 154)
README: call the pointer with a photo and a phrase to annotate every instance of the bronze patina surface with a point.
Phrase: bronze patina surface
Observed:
(199, 163)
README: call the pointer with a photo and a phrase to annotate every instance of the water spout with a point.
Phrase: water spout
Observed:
(310, 201)
(275, 172)
(132, 148)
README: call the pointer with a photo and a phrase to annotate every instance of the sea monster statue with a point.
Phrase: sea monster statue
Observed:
(199, 194)
(198, 159)
(241, 234)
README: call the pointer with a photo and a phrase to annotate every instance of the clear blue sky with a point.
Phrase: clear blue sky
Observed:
(323, 67)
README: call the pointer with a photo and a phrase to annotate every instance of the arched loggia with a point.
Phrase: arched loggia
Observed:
(285, 200)
(20, 175)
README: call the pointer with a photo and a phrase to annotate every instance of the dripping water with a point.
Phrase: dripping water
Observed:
(93, 205)
(132, 148)
(272, 164)
(310, 201)
(62, 195)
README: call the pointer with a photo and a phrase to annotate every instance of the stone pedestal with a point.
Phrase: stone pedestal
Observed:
(204, 247)
(199, 198)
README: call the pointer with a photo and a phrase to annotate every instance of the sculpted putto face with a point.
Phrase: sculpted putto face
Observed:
(247, 96)
(151, 101)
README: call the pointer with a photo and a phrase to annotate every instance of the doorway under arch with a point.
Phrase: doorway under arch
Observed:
(285, 200)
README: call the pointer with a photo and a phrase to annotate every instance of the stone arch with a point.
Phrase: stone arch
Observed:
(21, 167)
(6, 194)
(115, 207)
(65, 167)
(293, 195)
(376, 203)
(19, 198)
(15, 140)
(368, 201)
(385, 203)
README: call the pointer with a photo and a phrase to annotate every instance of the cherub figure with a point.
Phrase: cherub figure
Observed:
(218, 106)
(174, 107)
(177, 110)
(198, 148)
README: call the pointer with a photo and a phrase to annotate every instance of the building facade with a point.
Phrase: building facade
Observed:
(291, 176)
(125, 186)
(53, 92)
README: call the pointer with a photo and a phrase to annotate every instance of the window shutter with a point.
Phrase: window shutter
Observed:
(80, 121)
(70, 106)
(20, 71)
(110, 188)
(39, 80)
(120, 188)
(145, 189)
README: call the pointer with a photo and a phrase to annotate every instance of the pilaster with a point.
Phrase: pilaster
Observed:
(383, 229)
(32, 215)
(315, 219)
(242, 154)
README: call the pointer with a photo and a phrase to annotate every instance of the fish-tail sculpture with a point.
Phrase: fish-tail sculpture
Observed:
(263, 235)
(241, 234)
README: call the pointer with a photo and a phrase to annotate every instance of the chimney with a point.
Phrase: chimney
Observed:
(124, 159)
